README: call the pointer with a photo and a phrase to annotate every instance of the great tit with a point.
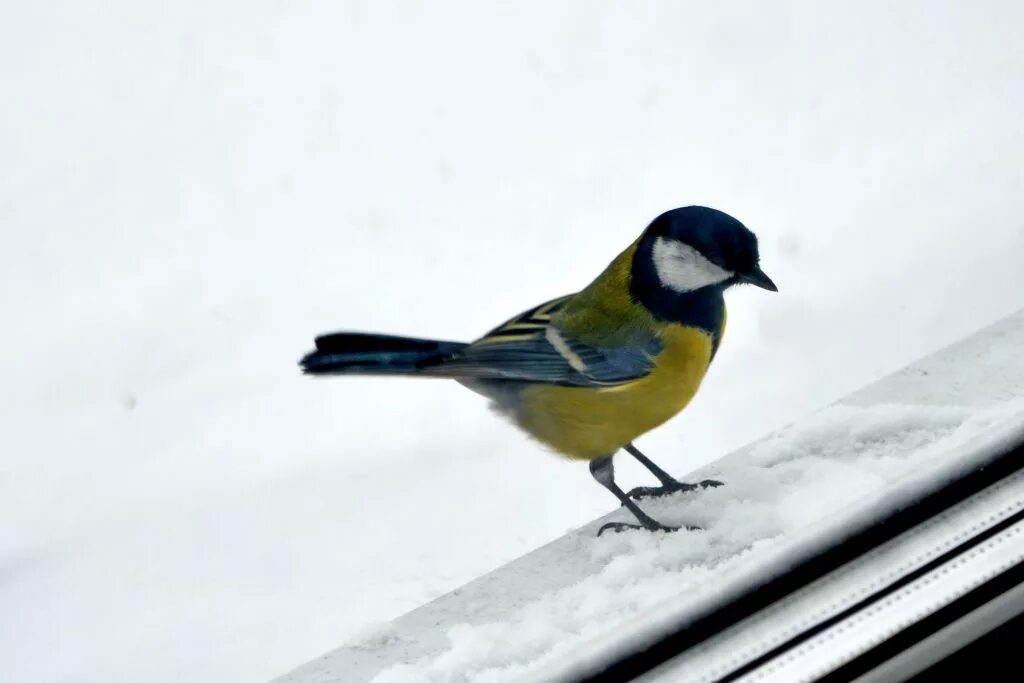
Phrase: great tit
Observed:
(588, 373)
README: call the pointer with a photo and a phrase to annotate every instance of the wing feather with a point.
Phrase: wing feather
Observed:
(531, 348)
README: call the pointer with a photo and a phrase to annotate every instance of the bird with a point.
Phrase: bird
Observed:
(587, 373)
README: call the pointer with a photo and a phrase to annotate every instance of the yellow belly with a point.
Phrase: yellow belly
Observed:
(587, 423)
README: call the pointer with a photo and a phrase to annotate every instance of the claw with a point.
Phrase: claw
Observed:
(641, 492)
(622, 526)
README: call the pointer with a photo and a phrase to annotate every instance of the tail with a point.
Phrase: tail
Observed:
(350, 353)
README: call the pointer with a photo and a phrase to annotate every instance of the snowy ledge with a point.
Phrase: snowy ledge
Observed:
(578, 603)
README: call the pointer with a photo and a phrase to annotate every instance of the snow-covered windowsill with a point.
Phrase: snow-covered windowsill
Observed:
(581, 602)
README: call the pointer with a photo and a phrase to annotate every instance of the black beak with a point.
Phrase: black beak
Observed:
(758, 278)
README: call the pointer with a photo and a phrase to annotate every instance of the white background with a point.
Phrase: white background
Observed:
(190, 191)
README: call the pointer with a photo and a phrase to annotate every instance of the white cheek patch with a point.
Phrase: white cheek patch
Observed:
(682, 268)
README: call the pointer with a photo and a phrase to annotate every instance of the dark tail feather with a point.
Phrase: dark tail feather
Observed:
(375, 354)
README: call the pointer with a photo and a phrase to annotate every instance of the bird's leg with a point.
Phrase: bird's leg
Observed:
(603, 471)
(669, 484)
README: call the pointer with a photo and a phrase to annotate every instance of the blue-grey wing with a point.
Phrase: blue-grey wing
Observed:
(530, 348)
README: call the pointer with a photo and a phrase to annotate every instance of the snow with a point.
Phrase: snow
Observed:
(822, 468)
(193, 190)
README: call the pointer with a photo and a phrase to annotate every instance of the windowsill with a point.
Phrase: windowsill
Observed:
(580, 602)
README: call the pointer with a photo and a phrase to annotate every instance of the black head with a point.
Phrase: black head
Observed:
(694, 247)
(687, 257)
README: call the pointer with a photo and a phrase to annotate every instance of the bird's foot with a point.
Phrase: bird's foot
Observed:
(657, 526)
(641, 492)
(622, 526)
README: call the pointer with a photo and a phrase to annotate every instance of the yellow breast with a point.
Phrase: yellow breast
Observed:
(587, 423)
